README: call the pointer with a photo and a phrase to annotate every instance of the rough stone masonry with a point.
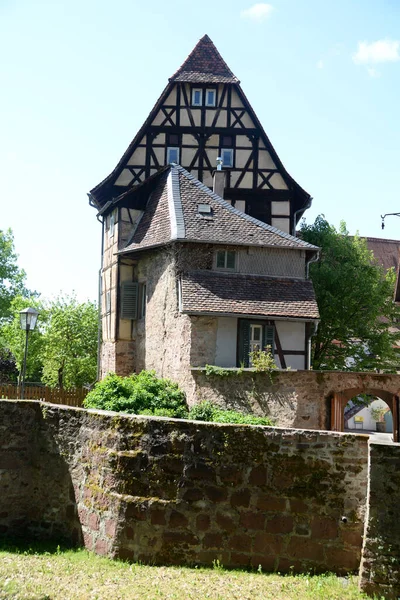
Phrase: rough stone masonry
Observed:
(168, 491)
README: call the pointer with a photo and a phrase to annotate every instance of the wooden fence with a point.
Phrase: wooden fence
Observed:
(73, 397)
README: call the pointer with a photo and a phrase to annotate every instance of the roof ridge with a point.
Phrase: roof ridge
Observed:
(239, 213)
(175, 206)
(206, 62)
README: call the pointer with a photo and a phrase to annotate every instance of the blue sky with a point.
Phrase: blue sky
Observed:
(78, 78)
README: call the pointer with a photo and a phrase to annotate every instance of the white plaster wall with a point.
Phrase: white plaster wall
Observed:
(369, 423)
(226, 342)
(291, 334)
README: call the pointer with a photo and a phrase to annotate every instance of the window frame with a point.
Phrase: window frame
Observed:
(214, 91)
(194, 90)
(225, 267)
(232, 161)
(169, 148)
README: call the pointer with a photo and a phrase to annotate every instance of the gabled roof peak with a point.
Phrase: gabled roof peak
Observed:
(205, 65)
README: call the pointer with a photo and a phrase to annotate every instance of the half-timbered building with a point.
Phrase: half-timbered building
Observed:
(200, 264)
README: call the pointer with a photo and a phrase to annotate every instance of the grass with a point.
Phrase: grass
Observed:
(49, 573)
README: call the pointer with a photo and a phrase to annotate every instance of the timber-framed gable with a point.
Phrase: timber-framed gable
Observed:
(201, 115)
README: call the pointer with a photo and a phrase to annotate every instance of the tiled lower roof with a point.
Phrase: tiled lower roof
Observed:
(211, 292)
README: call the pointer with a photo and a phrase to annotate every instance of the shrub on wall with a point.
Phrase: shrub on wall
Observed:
(207, 411)
(142, 394)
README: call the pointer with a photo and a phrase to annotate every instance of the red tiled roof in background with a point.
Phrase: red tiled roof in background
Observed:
(205, 65)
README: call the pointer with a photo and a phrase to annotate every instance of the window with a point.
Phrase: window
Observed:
(173, 139)
(142, 300)
(129, 300)
(172, 155)
(197, 97)
(112, 223)
(226, 259)
(227, 141)
(227, 157)
(108, 302)
(210, 97)
(252, 336)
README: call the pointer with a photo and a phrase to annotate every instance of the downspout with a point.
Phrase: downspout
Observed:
(99, 326)
(311, 335)
(314, 259)
(301, 210)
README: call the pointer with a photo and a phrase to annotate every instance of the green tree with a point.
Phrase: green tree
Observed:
(12, 278)
(355, 300)
(69, 352)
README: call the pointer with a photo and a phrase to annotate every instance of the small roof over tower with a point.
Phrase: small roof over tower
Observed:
(205, 65)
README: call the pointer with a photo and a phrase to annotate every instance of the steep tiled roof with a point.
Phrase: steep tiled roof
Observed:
(386, 252)
(205, 65)
(180, 194)
(211, 292)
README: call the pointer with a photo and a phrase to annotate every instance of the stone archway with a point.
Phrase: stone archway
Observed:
(340, 399)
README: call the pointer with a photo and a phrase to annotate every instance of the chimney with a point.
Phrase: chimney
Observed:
(219, 179)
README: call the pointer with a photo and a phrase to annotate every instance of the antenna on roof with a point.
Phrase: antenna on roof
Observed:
(219, 163)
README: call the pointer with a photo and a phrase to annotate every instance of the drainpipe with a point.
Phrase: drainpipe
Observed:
(311, 335)
(314, 259)
(99, 327)
(301, 210)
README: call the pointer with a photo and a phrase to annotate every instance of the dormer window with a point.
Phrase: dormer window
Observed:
(210, 97)
(226, 260)
(172, 155)
(204, 209)
(197, 97)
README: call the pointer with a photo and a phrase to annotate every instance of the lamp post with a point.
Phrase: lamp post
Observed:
(28, 318)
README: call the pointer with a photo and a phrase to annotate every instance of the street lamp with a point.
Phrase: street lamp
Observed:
(28, 318)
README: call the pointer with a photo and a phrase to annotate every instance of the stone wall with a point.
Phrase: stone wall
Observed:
(299, 399)
(380, 566)
(180, 492)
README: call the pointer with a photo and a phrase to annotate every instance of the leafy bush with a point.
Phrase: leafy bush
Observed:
(207, 411)
(144, 393)
(263, 360)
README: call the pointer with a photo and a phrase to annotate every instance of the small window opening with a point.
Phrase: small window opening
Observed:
(226, 259)
(227, 157)
(197, 97)
(210, 97)
(172, 155)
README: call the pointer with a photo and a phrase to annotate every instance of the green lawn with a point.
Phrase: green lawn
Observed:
(43, 574)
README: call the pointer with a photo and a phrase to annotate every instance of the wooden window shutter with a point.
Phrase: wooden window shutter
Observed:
(129, 300)
(269, 338)
(244, 342)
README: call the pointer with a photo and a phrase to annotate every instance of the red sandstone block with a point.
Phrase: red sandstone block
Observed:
(241, 498)
(129, 533)
(351, 537)
(110, 527)
(258, 475)
(305, 549)
(232, 475)
(266, 542)
(88, 540)
(193, 495)
(270, 503)
(240, 542)
(279, 524)
(213, 540)
(93, 522)
(267, 563)
(177, 519)
(252, 520)
(101, 547)
(298, 506)
(323, 528)
(225, 522)
(343, 560)
(216, 494)
(180, 537)
(135, 512)
(200, 472)
(203, 522)
(83, 515)
(289, 565)
(125, 554)
(158, 517)
(239, 560)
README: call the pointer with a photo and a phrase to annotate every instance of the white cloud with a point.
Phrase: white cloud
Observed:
(377, 52)
(320, 64)
(257, 12)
